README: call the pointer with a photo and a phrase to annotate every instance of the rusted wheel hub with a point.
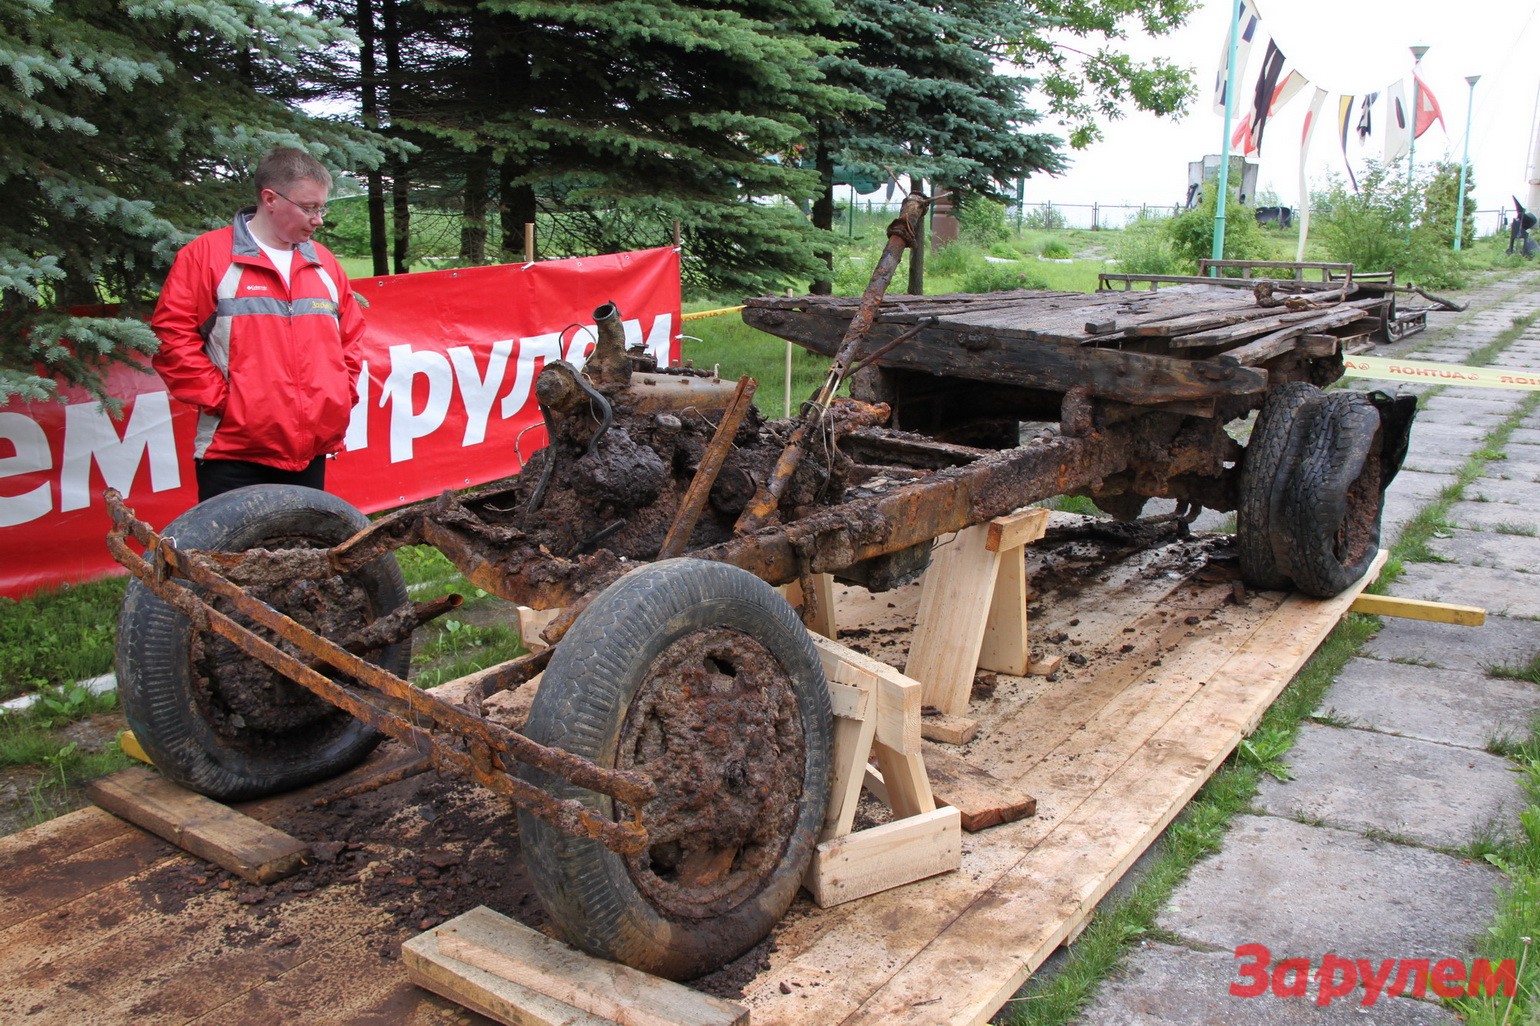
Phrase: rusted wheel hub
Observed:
(716, 726)
(244, 700)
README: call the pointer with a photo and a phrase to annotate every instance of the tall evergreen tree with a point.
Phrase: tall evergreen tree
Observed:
(952, 97)
(617, 119)
(125, 128)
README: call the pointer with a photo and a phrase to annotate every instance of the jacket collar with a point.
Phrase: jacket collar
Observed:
(245, 244)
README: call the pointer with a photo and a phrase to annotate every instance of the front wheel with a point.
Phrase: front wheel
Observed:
(212, 718)
(700, 676)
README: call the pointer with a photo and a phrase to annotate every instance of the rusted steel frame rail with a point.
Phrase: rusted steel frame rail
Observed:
(489, 747)
(948, 500)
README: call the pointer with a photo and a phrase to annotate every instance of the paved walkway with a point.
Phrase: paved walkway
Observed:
(1357, 855)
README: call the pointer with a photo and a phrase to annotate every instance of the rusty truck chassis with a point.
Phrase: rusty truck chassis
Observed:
(940, 488)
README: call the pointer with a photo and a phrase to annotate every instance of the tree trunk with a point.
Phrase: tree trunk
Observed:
(473, 220)
(917, 254)
(369, 104)
(401, 176)
(516, 208)
(823, 216)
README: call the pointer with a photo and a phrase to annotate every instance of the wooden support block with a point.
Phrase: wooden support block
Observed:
(1004, 648)
(493, 943)
(983, 799)
(249, 848)
(907, 783)
(854, 731)
(822, 620)
(1044, 667)
(531, 623)
(954, 607)
(898, 697)
(1418, 609)
(485, 993)
(132, 748)
(1017, 529)
(950, 730)
(885, 856)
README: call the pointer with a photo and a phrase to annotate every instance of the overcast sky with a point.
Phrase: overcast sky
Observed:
(1344, 46)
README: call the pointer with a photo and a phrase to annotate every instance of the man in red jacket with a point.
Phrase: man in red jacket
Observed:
(259, 329)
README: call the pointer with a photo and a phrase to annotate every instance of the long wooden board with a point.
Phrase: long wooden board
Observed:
(245, 846)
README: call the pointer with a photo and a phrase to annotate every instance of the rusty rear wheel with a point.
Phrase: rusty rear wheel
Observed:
(1265, 469)
(1331, 508)
(699, 675)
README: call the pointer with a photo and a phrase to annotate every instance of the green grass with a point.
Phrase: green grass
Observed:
(58, 636)
(1517, 922)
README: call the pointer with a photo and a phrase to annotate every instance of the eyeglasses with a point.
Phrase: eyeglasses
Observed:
(308, 211)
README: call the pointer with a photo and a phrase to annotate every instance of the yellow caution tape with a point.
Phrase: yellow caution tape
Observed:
(710, 313)
(1440, 373)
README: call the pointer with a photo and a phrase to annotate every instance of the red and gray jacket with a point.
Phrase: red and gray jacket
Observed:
(273, 368)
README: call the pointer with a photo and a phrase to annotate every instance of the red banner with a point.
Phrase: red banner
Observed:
(445, 401)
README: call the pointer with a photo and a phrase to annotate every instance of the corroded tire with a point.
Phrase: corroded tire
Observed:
(217, 721)
(1265, 467)
(700, 676)
(1334, 499)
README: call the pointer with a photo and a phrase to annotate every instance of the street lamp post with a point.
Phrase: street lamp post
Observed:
(1411, 153)
(1459, 196)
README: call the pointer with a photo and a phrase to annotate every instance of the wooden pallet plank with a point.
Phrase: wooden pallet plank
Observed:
(982, 799)
(247, 847)
(509, 949)
(885, 857)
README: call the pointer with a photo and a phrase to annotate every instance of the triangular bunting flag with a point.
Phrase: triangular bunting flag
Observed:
(1398, 125)
(1249, 22)
(1427, 107)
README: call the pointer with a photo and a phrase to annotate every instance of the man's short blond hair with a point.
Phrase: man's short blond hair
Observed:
(286, 165)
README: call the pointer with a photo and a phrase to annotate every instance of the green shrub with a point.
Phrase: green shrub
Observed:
(1389, 225)
(1145, 248)
(1056, 250)
(1191, 232)
(981, 221)
(1000, 278)
(954, 261)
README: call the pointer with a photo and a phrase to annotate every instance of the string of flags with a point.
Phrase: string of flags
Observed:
(1384, 115)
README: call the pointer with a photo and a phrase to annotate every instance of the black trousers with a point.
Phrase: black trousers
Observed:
(218, 476)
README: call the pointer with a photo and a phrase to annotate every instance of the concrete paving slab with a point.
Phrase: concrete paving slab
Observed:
(1397, 511)
(1434, 794)
(1168, 985)
(1434, 462)
(1488, 548)
(1513, 468)
(1451, 439)
(1497, 517)
(1501, 641)
(1420, 483)
(1462, 414)
(1488, 398)
(1304, 891)
(1451, 707)
(1493, 489)
(1500, 592)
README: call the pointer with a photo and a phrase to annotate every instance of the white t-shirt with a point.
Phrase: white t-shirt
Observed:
(282, 259)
